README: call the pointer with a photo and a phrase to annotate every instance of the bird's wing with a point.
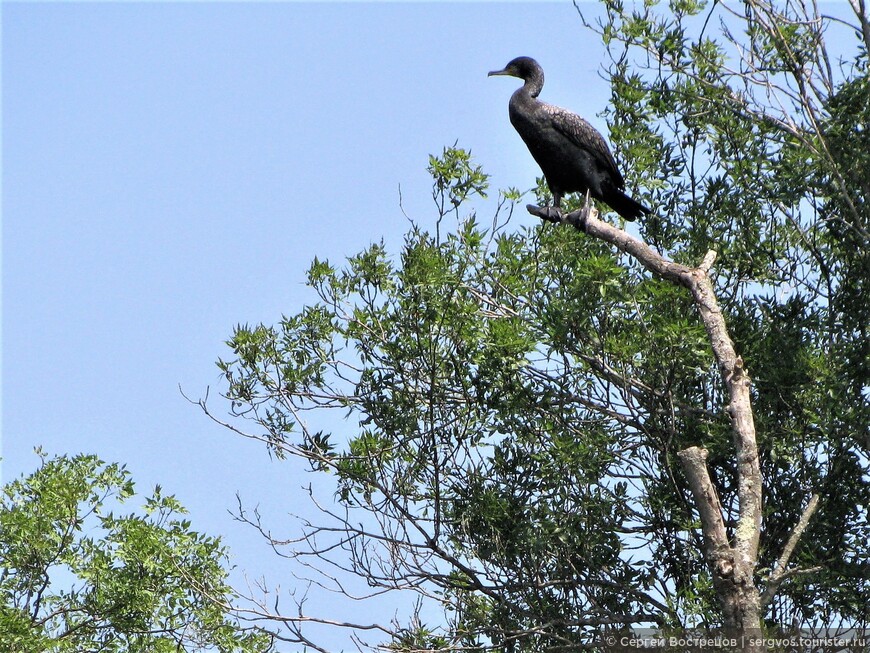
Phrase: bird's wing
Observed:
(585, 136)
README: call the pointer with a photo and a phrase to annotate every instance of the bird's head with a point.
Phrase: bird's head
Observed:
(523, 67)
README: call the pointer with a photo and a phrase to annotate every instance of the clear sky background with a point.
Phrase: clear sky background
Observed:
(170, 170)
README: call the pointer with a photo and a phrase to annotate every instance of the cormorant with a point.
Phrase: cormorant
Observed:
(572, 154)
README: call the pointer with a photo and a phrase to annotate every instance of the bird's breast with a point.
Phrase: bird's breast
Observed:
(566, 166)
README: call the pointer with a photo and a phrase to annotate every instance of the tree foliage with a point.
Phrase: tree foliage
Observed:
(767, 164)
(513, 399)
(77, 577)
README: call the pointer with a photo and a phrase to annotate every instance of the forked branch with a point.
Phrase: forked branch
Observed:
(732, 564)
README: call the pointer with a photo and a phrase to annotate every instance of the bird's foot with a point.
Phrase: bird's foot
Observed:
(548, 213)
(577, 218)
(553, 213)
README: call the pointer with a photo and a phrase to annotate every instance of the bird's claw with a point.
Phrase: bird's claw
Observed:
(578, 218)
(548, 213)
(553, 213)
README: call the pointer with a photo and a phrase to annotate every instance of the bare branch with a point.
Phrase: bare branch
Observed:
(694, 461)
(733, 567)
(860, 9)
(780, 571)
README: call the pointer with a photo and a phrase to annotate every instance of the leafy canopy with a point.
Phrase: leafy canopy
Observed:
(509, 400)
(79, 577)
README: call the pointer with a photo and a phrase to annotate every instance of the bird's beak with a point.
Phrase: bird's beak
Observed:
(497, 72)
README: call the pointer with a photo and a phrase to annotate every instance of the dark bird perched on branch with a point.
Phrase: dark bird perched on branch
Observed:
(572, 155)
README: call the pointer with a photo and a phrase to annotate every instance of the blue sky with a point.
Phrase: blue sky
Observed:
(170, 170)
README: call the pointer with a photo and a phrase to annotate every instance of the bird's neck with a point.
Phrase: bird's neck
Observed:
(533, 85)
(527, 94)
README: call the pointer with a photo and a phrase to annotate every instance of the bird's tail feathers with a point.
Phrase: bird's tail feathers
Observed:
(625, 206)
